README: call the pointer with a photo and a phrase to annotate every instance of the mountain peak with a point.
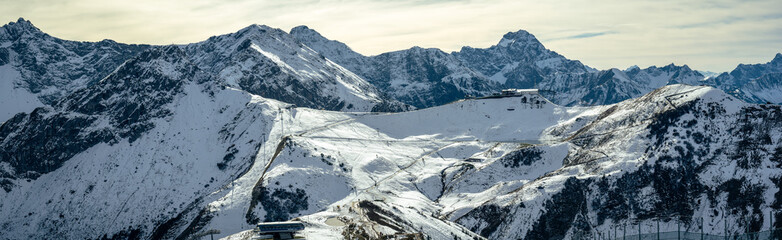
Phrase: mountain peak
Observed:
(777, 58)
(21, 26)
(23, 23)
(521, 36)
(306, 32)
(334, 50)
(258, 29)
(301, 28)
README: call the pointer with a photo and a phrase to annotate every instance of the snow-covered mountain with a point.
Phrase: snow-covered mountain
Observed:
(430, 77)
(426, 77)
(36, 69)
(689, 156)
(758, 83)
(614, 85)
(519, 60)
(222, 134)
(126, 157)
(708, 74)
(271, 63)
(332, 49)
(416, 76)
(682, 156)
(195, 154)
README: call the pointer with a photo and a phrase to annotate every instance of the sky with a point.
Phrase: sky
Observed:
(712, 35)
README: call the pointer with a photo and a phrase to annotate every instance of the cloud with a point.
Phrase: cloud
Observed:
(588, 35)
(712, 35)
(583, 35)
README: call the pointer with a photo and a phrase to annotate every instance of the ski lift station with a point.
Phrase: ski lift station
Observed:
(513, 92)
(528, 98)
(280, 230)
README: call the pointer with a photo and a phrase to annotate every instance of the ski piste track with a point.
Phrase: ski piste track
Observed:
(437, 144)
(368, 192)
(444, 142)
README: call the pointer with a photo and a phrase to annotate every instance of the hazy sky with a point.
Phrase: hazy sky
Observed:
(711, 35)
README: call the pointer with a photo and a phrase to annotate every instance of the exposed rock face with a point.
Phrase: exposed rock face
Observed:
(51, 67)
(519, 60)
(417, 76)
(122, 106)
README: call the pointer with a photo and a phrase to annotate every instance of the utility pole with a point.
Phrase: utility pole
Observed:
(771, 227)
(679, 230)
(639, 230)
(282, 123)
(724, 224)
(702, 228)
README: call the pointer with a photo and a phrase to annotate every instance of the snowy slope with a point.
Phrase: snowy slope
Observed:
(368, 176)
(130, 154)
(677, 155)
(344, 167)
(213, 157)
(333, 50)
(14, 99)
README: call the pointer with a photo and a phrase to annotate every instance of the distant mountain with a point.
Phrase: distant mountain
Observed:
(614, 85)
(271, 63)
(708, 74)
(519, 60)
(417, 76)
(36, 69)
(430, 77)
(426, 77)
(758, 83)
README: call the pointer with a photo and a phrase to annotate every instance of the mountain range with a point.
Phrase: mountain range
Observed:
(103, 140)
